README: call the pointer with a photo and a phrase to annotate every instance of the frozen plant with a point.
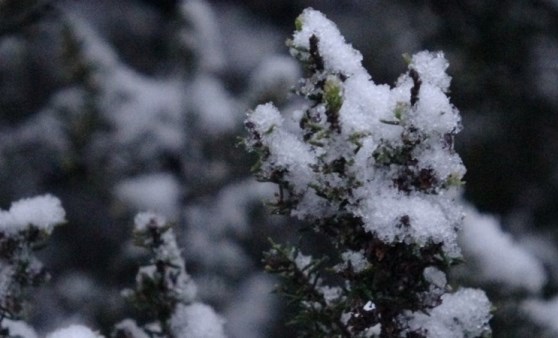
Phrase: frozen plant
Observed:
(164, 289)
(23, 229)
(372, 169)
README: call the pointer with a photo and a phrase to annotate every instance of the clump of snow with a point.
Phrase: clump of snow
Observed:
(364, 105)
(43, 212)
(339, 57)
(434, 113)
(156, 191)
(265, 117)
(287, 151)
(428, 220)
(19, 329)
(462, 314)
(435, 276)
(356, 259)
(369, 306)
(331, 294)
(216, 110)
(431, 68)
(543, 313)
(500, 259)
(74, 331)
(197, 320)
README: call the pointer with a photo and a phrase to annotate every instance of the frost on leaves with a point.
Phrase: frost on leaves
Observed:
(373, 167)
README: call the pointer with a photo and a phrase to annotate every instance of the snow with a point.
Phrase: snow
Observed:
(429, 221)
(543, 313)
(302, 261)
(369, 306)
(443, 164)
(19, 329)
(330, 294)
(265, 117)
(287, 151)
(431, 68)
(159, 191)
(435, 276)
(434, 113)
(357, 260)
(497, 256)
(203, 35)
(74, 331)
(216, 110)
(339, 57)
(146, 112)
(196, 320)
(463, 314)
(130, 329)
(43, 212)
(364, 105)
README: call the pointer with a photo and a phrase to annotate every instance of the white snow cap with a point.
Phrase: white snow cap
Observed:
(74, 331)
(43, 212)
(197, 320)
(431, 68)
(338, 56)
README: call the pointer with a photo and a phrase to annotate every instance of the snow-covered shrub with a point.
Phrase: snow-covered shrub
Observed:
(164, 290)
(372, 169)
(24, 228)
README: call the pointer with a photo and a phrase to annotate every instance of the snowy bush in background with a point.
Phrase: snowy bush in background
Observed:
(123, 106)
(114, 141)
